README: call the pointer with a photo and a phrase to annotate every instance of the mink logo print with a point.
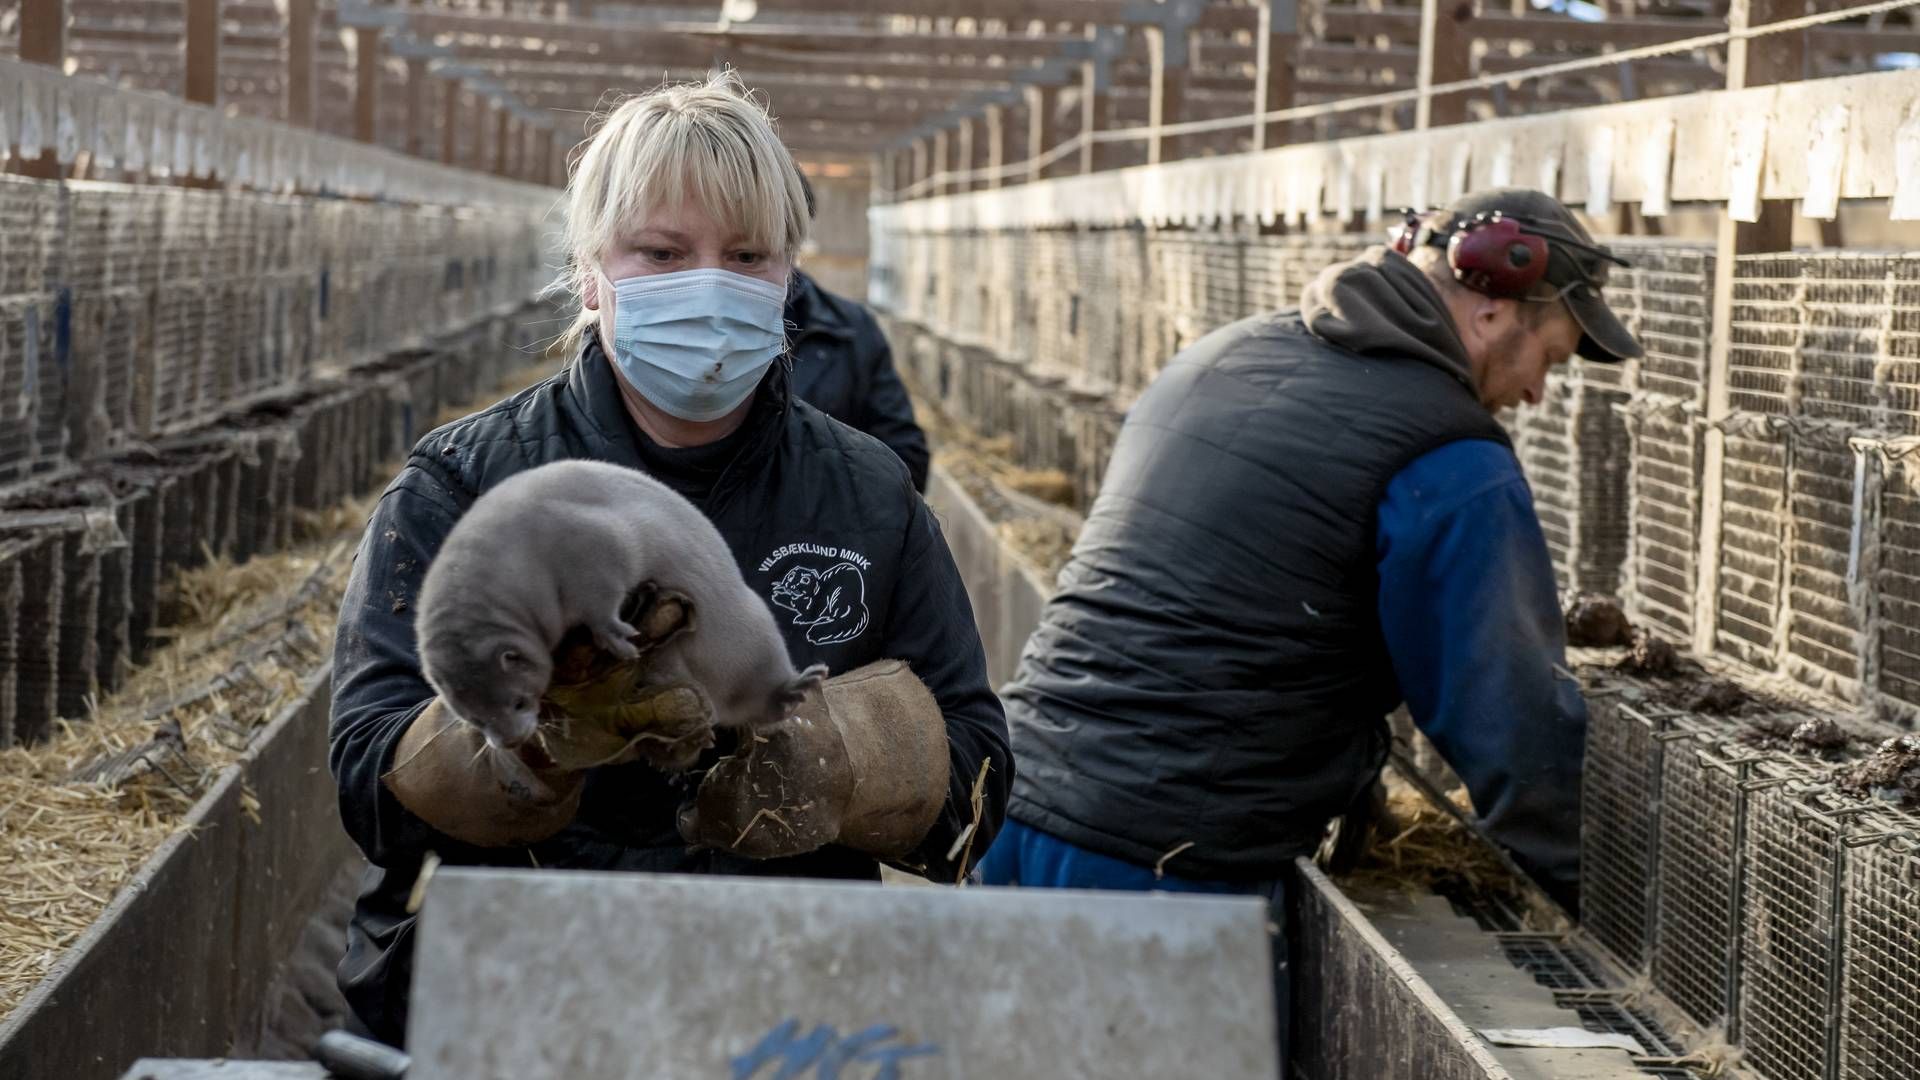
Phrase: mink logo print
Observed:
(826, 594)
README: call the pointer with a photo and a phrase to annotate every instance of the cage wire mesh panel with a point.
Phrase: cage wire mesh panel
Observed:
(1811, 336)
(1880, 999)
(1695, 897)
(1619, 799)
(1790, 933)
(1666, 300)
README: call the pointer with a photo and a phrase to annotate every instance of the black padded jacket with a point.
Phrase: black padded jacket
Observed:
(805, 502)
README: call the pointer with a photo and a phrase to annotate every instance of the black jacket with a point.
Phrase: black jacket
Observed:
(1209, 681)
(804, 498)
(843, 366)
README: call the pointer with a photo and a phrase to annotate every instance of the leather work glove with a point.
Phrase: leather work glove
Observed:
(598, 710)
(863, 764)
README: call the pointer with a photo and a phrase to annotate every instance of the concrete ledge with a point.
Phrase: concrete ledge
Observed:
(1007, 594)
(182, 956)
(1361, 1011)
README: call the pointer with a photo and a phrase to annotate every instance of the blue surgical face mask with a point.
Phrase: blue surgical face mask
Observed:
(695, 343)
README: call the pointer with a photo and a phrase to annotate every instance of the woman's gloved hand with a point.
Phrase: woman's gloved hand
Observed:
(601, 710)
(598, 710)
(862, 764)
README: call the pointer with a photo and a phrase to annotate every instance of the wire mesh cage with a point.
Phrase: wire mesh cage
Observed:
(1619, 806)
(1790, 940)
(1698, 893)
(1880, 991)
(1665, 298)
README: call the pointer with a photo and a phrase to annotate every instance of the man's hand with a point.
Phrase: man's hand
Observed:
(862, 764)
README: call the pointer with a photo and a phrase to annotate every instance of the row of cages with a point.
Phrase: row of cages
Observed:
(129, 313)
(1723, 864)
(1050, 335)
(85, 555)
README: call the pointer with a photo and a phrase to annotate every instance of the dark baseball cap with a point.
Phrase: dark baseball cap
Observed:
(1576, 269)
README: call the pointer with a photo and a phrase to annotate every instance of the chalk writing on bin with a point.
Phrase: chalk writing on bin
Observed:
(825, 1054)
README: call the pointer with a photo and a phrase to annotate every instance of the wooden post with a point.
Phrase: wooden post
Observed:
(450, 124)
(939, 164)
(300, 63)
(550, 173)
(922, 166)
(1445, 56)
(996, 145)
(1094, 80)
(480, 135)
(43, 32)
(1758, 62)
(203, 52)
(43, 40)
(502, 123)
(1043, 129)
(963, 154)
(366, 92)
(1167, 90)
(1276, 49)
(902, 172)
(417, 107)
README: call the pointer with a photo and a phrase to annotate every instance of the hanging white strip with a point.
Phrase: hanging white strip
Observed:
(206, 148)
(133, 136)
(1656, 169)
(1376, 192)
(31, 136)
(1343, 189)
(109, 130)
(1906, 156)
(1549, 177)
(1600, 172)
(1826, 161)
(66, 125)
(1746, 164)
(9, 111)
(182, 149)
(1420, 191)
(1457, 165)
(1500, 172)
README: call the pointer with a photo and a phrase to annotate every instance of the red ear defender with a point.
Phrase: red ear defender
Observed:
(1493, 256)
(1404, 235)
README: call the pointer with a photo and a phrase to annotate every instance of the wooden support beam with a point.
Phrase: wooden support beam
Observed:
(1226, 18)
(366, 86)
(1094, 86)
(963, 152)
(485, 121)
(939, 163)
(502, 140)
(1167, 91)
(1278, 45)
(43, 32)
(202, 65)
(417, 123)
(1758, 62)
(1445, 56)
(922, 161)
(1043, 129)
(450, 124)
(998, 122)
(43, 40)
(300, 57)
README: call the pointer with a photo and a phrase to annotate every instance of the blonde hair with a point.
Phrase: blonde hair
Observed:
(709, 140)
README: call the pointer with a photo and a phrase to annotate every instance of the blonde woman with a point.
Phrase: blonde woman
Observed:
(684, 213)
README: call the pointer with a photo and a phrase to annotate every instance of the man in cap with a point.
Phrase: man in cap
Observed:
(1310, 517)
